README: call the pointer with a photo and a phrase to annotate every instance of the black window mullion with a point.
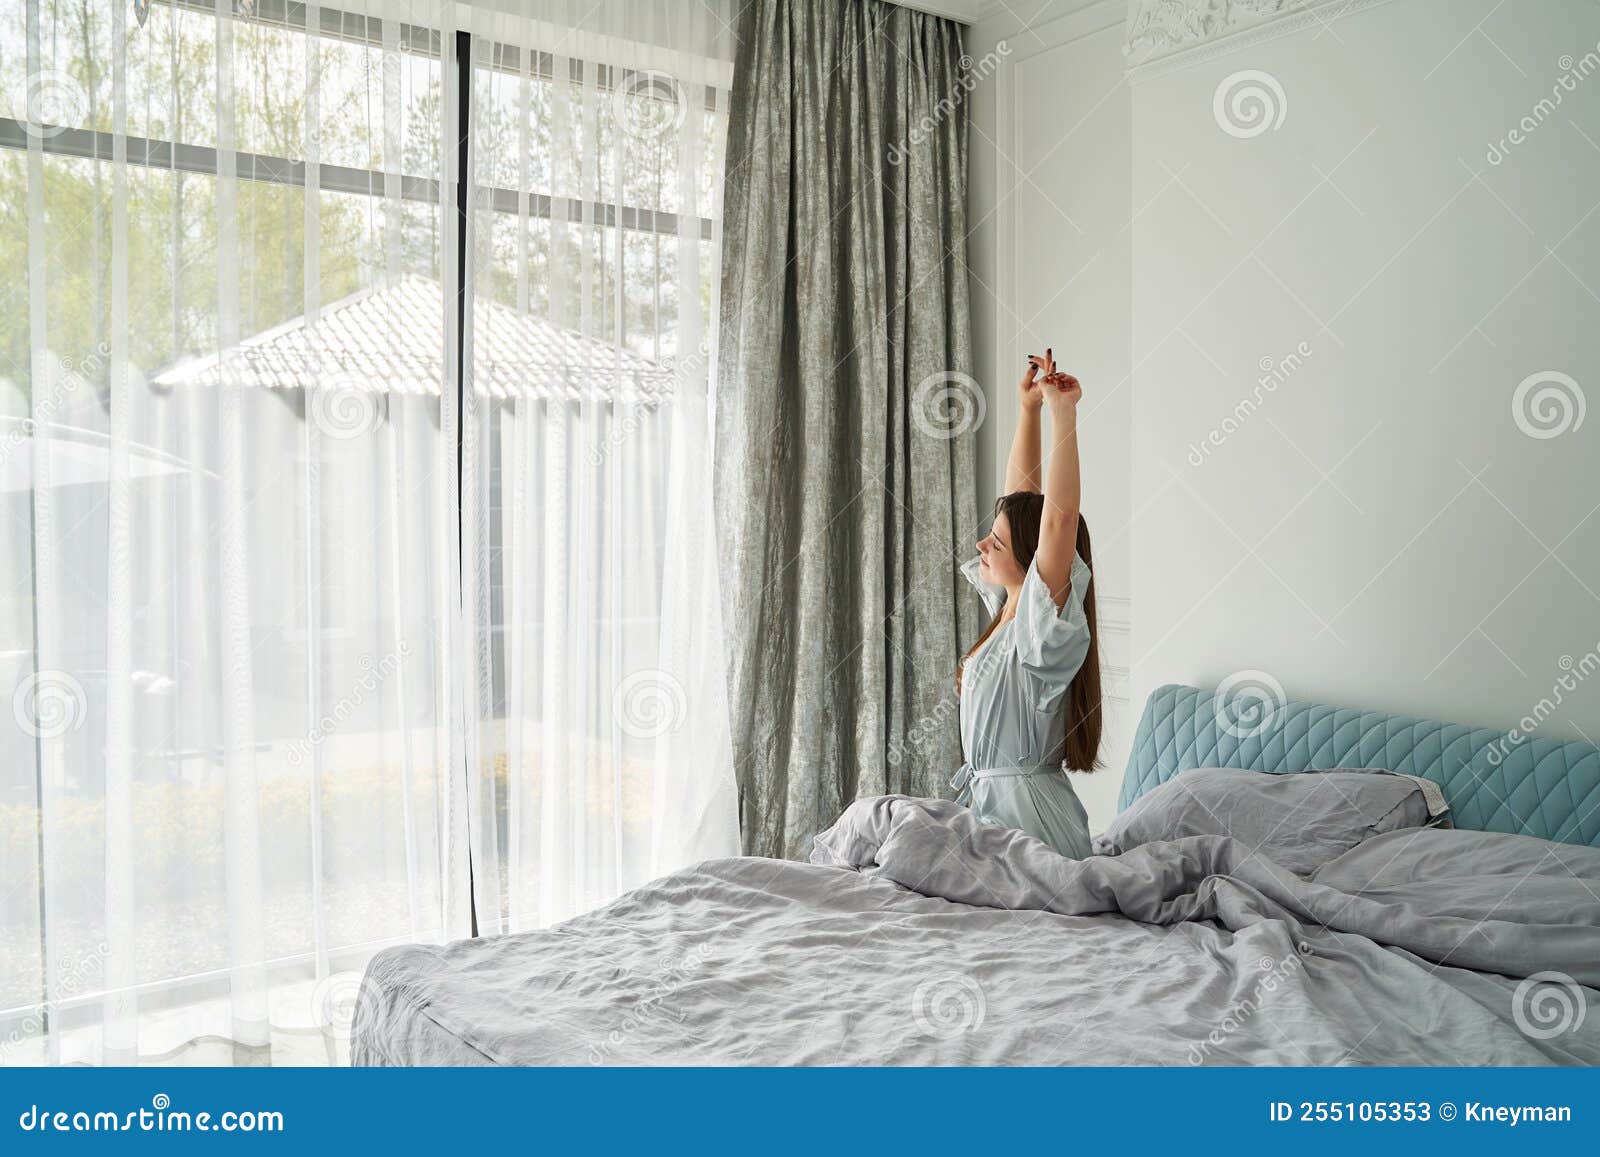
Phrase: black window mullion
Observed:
(463, 60)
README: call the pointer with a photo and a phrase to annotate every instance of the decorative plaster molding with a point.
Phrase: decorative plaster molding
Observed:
(1162, 27)
(1169, 33)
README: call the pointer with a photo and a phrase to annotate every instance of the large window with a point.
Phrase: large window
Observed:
(355, 491)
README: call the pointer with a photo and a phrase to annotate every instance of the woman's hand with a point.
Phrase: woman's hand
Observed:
(1029, 388)
(1061, 392)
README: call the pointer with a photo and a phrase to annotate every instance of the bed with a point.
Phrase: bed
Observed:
(919, 936)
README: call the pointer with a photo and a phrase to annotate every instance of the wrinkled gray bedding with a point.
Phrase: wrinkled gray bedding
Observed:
(920, 936)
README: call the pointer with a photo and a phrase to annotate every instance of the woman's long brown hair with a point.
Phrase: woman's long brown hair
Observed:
(1081, 752)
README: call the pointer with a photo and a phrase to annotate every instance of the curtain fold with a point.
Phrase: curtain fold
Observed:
(228, 550)
(846, 410)
(599, 749)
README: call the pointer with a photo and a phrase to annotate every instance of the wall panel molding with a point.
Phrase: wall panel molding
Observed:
(1113, 612)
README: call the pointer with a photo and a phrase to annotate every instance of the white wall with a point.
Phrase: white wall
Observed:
(1051, 194)
(1378, 531)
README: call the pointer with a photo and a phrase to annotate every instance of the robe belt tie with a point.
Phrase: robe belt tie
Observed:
(962, 780)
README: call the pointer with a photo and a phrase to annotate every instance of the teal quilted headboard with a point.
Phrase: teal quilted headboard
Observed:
(1492, 781)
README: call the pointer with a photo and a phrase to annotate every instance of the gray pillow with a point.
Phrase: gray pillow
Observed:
(1299, 820)
(1396, 865)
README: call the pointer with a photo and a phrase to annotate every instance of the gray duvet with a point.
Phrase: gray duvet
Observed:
(920, 936)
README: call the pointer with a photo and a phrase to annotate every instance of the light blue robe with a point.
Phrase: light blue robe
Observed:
(1013, 725)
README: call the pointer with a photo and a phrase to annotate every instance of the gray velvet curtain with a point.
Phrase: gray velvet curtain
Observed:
(845, 411)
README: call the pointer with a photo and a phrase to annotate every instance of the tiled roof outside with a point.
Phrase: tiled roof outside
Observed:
(390, 339)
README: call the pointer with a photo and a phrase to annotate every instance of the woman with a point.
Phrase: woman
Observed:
(1030, 685)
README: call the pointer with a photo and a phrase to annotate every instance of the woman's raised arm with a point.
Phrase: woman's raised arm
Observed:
(1022, 468)
(1058, 526)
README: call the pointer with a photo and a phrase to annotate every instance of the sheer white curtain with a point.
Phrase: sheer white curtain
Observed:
(599, 749)
(227, 471)
(278, 686)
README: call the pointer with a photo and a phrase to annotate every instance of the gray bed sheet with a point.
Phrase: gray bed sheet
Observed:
(922, 937)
